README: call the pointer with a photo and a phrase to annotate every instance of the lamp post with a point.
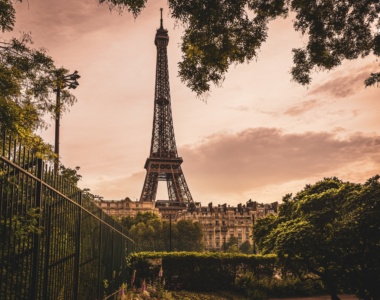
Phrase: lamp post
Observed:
(68, 81)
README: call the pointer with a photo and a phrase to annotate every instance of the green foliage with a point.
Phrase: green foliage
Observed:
(133, 6)
(217, 34)
(7, 15)
(246, 247)
(231, 246)
(189, 236)
(70, 175)
(191, 270)
(332, 230)
(263, 227)
(141, 217)
(28, 78)
(153, 234)
(289, 286)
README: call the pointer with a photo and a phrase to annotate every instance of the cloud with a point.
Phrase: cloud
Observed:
(120, 187)
(264, 162)
(302, 107)
(244, 108)
(254, 158)
(344, 83)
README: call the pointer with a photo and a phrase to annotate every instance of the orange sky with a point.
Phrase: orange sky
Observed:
(258, 137)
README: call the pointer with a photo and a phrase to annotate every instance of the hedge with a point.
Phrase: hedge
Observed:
(194, 271)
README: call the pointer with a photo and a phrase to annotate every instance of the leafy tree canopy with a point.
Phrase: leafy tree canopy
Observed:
(28, 78)
(332, 230)
(151, 233)
(246, 247)
(219, 33)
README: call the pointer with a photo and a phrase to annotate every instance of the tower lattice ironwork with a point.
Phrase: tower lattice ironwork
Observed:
(163, 163)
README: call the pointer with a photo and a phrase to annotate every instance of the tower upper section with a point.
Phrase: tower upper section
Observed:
(162, 37)
(163, 141)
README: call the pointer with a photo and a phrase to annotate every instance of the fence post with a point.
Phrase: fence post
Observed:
(78, 249)
(100, 281)
(36, 238)
(48, 211)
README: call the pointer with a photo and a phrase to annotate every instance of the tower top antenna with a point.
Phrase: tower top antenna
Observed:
(161, 19)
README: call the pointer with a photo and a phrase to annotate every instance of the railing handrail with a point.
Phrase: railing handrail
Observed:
(62, 195)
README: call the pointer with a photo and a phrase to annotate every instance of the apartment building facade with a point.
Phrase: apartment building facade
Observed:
(222, 222)
(219, 223)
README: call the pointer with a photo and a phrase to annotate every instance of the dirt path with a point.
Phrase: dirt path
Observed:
(326, 297)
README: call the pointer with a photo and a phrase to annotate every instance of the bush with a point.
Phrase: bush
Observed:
(263, 288)
(199, 271)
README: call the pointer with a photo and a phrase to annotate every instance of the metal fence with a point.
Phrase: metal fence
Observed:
(55, 243)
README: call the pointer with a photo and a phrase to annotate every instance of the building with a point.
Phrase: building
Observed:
(222, 222)
(126, 207)
(219, 223)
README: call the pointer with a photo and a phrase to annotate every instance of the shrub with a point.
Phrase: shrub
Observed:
(290, 286)
(195, 271)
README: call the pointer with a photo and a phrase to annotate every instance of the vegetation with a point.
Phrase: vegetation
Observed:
(329, 230)
(154, 293)
(194, 271)
(151, 233)
(232, 246)
(213, 276)
(28, 78)
(255, 288)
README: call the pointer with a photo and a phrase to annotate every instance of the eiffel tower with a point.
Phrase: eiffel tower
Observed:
(163, 163)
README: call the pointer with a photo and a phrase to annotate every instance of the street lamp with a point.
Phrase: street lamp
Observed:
(68, 81)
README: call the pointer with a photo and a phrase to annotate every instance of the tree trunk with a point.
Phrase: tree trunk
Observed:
(334, 296)
(331, 288)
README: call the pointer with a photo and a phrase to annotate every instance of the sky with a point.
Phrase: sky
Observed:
(259, 136)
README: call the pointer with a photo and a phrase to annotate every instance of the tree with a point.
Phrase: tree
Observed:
(7, 15)
(141, 217)
(190, 236)
(151, 233)
(231, 245)
(220, 33)
(332, 230)
(246, 247)
(71, 175)
(262, 228)
(27, 79)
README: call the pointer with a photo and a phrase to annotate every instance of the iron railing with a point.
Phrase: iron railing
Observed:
(55, 243)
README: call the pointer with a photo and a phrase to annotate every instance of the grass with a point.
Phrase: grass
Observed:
(225, 295)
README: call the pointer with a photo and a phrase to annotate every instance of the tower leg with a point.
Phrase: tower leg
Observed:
(149, 191)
